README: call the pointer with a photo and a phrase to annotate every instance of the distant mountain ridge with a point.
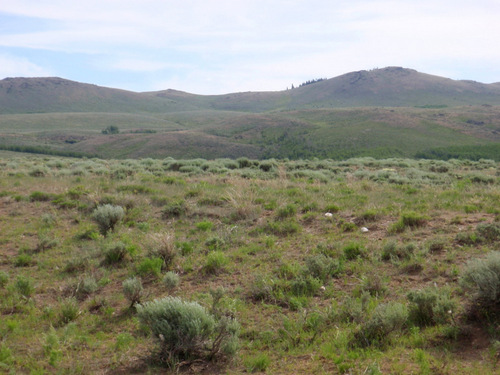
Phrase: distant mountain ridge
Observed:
(386, 87)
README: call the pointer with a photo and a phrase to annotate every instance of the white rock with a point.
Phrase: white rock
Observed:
(328, 214)
(364, 230)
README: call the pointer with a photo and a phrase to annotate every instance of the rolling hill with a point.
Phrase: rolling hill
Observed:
(383, 112)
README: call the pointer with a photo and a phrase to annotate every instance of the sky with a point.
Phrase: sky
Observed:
(222, 46)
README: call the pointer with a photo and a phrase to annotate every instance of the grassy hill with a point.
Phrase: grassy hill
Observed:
(383, 112)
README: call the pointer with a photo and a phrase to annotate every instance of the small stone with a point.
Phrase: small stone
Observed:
(364, 230)
(328, 214)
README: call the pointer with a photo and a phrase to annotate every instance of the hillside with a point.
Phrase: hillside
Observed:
(382, 112)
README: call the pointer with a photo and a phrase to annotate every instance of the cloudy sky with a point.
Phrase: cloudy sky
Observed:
(221, 46)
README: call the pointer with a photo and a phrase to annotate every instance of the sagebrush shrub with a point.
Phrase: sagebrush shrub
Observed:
(482, 278)
(386, 319)
(86, 287)
(174, 209)
(287, 211)
(115, 253)
(431, 306)
(171, 280)
(24, 286)
(107, 217)
(186, 330)
(162, 245)
(69, 310)
(133, 290)
(489, 232)
(321, 267)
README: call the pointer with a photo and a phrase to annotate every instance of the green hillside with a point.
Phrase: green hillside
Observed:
(381, 113)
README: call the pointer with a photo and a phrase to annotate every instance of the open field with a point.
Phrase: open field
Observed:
(323, 133)
(249, 240)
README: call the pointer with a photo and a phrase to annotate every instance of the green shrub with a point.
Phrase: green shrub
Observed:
(368, 216)
(112, 129)
(482, 279)
(354, 309)
(489, 232)
(205, 226)
(39, 196)
(215, 262)
(353, 251)
(305, 286)
(186, 330)
(171, 280)
(86, 287)
(322, 267)
(23, 260)
(4, 279)
(115, 253)
(24, 286)
(150, 267)
(282, 228)
(186, 248)
(133, 290)
(467, 238)
(77, 264)
(38, 172)
(266, 289)
(107, 217)
(386, 319)
(244, 162)
(174, 210)
(258, 363)
(409, 220)
(162, 245)
(69, 311)
(391, 251)
(215, 243)
(45, 242)
(332, 208)
(374, 285)
(430, 306)
(437, 245)
(87, 235)
(348, 226)
(288, 211)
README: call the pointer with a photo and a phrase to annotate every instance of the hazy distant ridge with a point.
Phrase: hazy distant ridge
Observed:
(388, 87)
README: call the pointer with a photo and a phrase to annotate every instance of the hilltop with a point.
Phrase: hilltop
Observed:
(383, 112)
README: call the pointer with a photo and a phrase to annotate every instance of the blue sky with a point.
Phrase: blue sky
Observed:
(215, 47)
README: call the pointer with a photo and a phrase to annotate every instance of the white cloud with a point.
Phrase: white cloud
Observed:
(137, 65)
(11, 66)
(274, 43)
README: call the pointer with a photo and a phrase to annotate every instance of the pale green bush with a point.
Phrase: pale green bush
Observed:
(107, 217)
(482, 278)
(186, 330)
(386, 319)
(431, 306)
(171, 280)
(133, 290)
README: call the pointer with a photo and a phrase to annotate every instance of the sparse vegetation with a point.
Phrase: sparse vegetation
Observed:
(312, 293)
